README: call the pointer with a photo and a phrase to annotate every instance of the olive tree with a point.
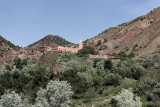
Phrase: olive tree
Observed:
(56, 94)
(137, 71)
(112, 79)
(93, 76)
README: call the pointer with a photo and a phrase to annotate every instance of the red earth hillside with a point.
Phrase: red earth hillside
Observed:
(130, 34)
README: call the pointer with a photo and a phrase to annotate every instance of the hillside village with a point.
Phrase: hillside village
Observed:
(52, 49)
(24, 53)
(120, 67)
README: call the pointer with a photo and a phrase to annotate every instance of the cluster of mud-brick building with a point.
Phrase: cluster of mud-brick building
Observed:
(47, 48)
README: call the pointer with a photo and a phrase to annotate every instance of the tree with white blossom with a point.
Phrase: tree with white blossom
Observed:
(11, 99)
(56, 94)
(127, 99)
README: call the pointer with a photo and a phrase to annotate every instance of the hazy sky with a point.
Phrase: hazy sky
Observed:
(25, 21)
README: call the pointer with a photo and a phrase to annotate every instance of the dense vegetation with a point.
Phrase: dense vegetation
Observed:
(80, 81)
(87, 50)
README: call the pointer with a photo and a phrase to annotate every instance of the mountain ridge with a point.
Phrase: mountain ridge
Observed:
(126, 36)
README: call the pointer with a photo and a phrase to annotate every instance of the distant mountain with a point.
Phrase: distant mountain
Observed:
(50, 40)
(6, 47)
(139, 36)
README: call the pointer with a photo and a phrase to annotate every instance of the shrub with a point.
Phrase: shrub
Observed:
(146, 87)
(148, 64)
(112, 79)
(137, 71)
(93, 76)
(87, 50)
(129, 83)
(128, 69)
(105, 40)
(100, 91)
(150, 89)
(66, 56)
(156, 90)
(90, 94)
(2, 89)
(95, 62)
(122, 55)
(113, 102)
(99, 42)
(18, 63)
(106, 94)
(8, 67)
(131, 55)
(116, 90)
(108, 65)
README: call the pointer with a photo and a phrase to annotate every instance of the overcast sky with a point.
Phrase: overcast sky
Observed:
(25, 21)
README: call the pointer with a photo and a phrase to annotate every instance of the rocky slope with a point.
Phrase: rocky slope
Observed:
(139, 36)
(7, 48)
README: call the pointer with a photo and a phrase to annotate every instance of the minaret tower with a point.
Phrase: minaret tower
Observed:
(80, 44)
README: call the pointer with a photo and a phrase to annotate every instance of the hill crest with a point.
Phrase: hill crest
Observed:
(52, 40)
